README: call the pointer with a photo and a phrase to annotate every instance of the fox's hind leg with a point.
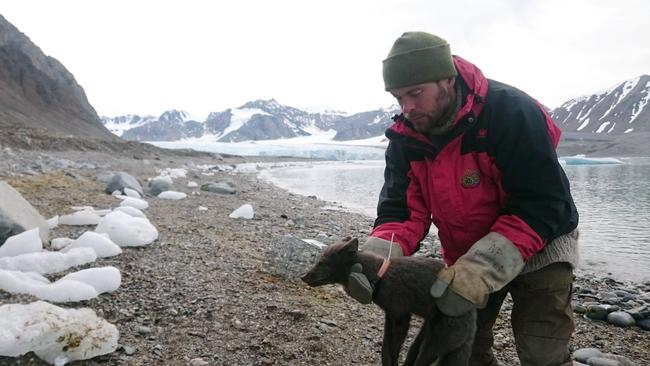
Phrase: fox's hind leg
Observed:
(395, 331)
(422, 351)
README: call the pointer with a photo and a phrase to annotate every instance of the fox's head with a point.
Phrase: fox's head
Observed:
(334, 264)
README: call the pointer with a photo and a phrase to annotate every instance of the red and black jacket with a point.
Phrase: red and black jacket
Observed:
(496, 170)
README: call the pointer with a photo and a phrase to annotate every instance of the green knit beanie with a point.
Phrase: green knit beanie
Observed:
(416, 58)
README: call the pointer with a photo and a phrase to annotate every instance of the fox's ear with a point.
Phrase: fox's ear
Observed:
(352, 246)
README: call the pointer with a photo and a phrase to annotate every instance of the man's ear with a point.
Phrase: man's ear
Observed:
(449, 82)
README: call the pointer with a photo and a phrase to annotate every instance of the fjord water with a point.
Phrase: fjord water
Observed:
(613, 202)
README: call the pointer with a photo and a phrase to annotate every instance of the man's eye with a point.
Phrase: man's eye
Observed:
(415, 93)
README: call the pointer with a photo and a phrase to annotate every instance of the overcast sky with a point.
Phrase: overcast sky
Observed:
(145, 57)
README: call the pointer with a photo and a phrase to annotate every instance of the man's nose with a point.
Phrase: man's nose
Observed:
(407, 105)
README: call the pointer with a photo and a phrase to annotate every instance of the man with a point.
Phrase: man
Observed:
(477, 158)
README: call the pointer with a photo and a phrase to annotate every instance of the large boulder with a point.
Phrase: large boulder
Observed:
(18, 215)
(123, 180)
(160, 184)
(220, 187)
(290, 257)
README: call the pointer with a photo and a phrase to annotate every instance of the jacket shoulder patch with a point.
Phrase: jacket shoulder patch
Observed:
(470, 179)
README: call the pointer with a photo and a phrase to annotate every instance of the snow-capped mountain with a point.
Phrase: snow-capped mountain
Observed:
(170, 125)
(621, 109)
(255, 120)
(610, 121)
(119, 124)
(365, 124)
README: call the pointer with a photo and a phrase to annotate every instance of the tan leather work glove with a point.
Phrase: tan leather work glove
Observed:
(358, 287)
(488, 266)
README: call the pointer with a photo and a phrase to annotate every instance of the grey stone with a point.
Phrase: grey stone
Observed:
(129, 350)
(290, 257)
(220, 187)
(579, 309)
(622, 360)
(644, 324)
(583, 354)
(123, 180)
(640, 312)
(609, 298)
(144, 330)
(645, 298)
(86, 166)
(18, 215)
(611, 301)
(587, 290)
(624, 295)
(600, 361)
(597, 312)
(160, 184)
(605, 295)
(105, 177)
(625, 291)
(620, 319)
(8, 228)
(198, 362)
(60, 164)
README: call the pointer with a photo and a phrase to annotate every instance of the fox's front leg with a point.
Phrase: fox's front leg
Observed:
(395, 330)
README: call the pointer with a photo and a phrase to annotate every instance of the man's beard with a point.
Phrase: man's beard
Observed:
(438, 121)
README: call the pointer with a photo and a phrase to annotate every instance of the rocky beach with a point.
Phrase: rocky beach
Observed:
(212, 291)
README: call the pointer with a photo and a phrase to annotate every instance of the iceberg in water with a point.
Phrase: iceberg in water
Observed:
(581, 159)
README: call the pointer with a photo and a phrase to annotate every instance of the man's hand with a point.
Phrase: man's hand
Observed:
(358, 287)
(488, 266)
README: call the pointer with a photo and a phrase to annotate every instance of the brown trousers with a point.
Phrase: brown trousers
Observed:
(542, 318)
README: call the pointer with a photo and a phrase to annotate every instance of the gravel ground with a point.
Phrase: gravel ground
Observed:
(200, 294)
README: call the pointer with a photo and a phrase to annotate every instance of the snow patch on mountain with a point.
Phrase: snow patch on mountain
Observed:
(239, 118)
(608, 111)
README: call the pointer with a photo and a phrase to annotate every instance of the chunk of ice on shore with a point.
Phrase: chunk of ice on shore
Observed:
(174, 172)
(48, 262)
(60, 243)
(55, 334)
(31, 283)
(100, 243)
(77, 286)
(243, 212)
(131, 193)
(125, 230)
(131, 211)
(80, 218)
(53, 222)
(91, 209)
(102, 279)
(138, 203)
(172, 195)
(28, 241)
(192, 184)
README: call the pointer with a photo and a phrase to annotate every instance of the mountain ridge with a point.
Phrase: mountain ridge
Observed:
(600, 123)
(38, 93)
